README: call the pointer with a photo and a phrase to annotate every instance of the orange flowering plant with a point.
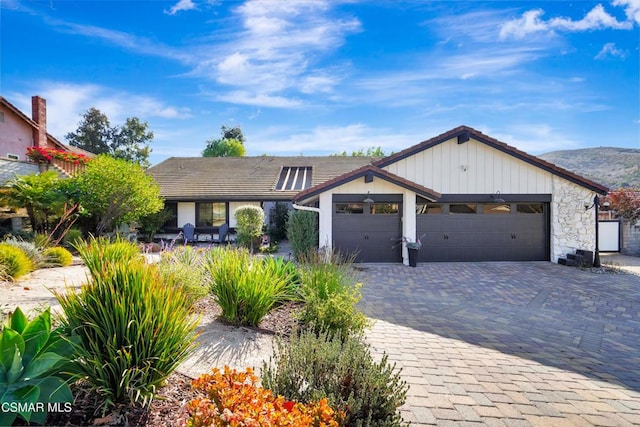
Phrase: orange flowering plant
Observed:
(233, 399)
(46, 154)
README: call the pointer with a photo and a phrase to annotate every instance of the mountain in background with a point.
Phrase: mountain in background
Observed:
(609, 166)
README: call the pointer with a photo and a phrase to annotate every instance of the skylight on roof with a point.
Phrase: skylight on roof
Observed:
(294, 178)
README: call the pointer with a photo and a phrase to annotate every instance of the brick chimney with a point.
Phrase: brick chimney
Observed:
(39, 115)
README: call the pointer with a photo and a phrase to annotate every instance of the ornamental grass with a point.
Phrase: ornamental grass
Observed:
(130, 328)
(247, 288)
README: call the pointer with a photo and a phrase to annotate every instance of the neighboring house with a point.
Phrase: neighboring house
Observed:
(206, 191)
(18, 132)
(472, 197)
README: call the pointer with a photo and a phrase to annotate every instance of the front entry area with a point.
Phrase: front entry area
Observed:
(368, 226)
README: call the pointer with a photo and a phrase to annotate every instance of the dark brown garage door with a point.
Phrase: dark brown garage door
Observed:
(368, 230)
(484, 231)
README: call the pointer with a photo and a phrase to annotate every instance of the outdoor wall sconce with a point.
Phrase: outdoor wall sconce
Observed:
(368, 199)
(496, 197)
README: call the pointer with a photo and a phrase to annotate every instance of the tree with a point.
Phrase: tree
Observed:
(302, 232)
(94, 133)
(626, 201)
(48, 200)
(231, 144)
(116, 191)
(129, 141)
(370, 152)
(224, 148)
(233, 133)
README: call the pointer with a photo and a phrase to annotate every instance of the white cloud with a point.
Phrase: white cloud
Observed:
(181, 6)
(631, 9)
(598, 18)
(534, 138)
(66, 102)
(324, 140)
(610, 49)
(278, 48)
(258, 99)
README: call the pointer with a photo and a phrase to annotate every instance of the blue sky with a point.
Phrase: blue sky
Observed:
(326, 76)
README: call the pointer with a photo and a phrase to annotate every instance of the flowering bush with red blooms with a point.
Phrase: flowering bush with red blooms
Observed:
(234, 400)
(46, 154)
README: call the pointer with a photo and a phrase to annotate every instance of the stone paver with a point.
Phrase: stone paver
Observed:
(509, 344)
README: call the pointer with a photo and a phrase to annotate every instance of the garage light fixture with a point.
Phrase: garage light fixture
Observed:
(496, 197)
(368, 199)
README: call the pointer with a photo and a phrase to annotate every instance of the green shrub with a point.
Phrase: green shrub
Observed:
(247, 288)
(57, 257)
(32, 358)
(15, 261)
(302, 232)
(330, 293)
(184, 267)
(311, 367)
(72, 238)
(29, 248)
(279, 218)
(99, 253)
(132, 330)
(250, 219)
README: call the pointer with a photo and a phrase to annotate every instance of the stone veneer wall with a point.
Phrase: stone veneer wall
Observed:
(572, 227)
(630, 239)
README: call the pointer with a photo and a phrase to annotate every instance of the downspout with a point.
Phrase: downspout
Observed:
(305, 208)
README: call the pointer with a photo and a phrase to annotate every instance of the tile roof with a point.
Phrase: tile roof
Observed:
(242, 178)
(463, 133)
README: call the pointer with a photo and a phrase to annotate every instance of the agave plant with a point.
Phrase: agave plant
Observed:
(32, 358)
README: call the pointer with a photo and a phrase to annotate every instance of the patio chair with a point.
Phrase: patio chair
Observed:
(189, 233)
(223, 233)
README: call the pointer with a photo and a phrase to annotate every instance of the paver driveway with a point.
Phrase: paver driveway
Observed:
(509, 344)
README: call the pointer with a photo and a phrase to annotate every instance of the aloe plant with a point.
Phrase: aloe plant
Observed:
(32, 358)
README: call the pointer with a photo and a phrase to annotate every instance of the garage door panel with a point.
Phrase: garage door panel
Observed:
(484, 237)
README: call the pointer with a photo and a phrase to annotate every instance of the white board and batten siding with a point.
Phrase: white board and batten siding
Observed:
(472, 168)
(186, 213)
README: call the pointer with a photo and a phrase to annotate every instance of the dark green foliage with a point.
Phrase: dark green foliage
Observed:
(72, 238)
(132, 328)
(250, 220)
(302, 232)
(150, 224)
(16, 263)
(310, 367)
(32, 360)
(279, 218)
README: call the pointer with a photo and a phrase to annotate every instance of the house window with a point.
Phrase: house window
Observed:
(173, 221)
(496, 209)
(13, 156)
(383, 208)
(1, 116)
(429, 209)
(211, 214)
(349, 208)
(463, 208)
(294, 178)
(530, 208)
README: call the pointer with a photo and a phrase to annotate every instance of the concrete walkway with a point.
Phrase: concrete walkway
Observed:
(509, 344)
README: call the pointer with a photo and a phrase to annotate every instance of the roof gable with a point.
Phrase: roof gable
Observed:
(367, 172)
(465, 133)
